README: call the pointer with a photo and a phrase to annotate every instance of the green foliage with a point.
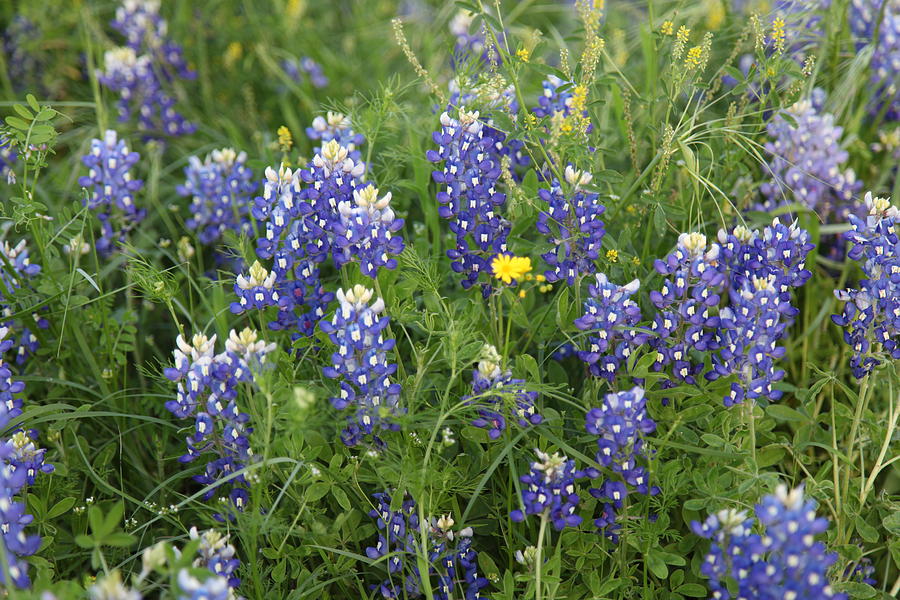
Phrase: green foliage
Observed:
(671, 149)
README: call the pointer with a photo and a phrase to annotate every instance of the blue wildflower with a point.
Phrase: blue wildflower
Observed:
(683, 322)
(573, 228)
(452, 559)
(221, 191)
(550, 491)
(111, 189)
(762, 272)
(867, 16)
(211, 588)
(305, 66)
(361, 364)
(807, 164)
(335, 126)
(784, 562)
(217, 554)
(497, 394)
(207, 391)
(17, 272)
(468, 196)
(871, 313)
(610, 318)
(257, 291)
(141, 70)
(364, 232)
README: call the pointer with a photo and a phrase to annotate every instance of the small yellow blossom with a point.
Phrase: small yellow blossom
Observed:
(635, 261)
(522, 293)
(778, 34)
(683, 34)
(566, 126)
(693, 58)
(540, 278)
(667, 28)
(232, 53)
(612, 256)
(523, 54)
(579, 98)
(507, 267)
(285, 139)
(547, 287)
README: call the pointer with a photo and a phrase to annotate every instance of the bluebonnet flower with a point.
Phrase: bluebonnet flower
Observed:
(763, 270)
(683, 322)
(861, 572)
(453, 560)
(211, 588)
(335, 126)
(207, 391)
(784, 562)
(217, 554)
(258, 291)
(141, 70)
(221, 189)
(8, 157)
(26, 456)
(493, 96)
(361, 364)
(20, 462)
(364, 232)
(620, 423)
(807, 165)
(885, 63)
(111, 189)
(468, 196)
(871, 314)
(497, 394)
(23, 65)
(16, 272)
(550, 490)
(305, 66)
(300, 211)
(573, 228)
(554, 101)
(610, 317)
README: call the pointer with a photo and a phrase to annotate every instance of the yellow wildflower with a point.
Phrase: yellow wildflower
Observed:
(612, 256)
(579, 98)
(232, 53)
(683, 34)
(778, 34)
(285, 140)
(522, 293)
(523, 54)
(507, 267)
(694, 55)
(667, 28)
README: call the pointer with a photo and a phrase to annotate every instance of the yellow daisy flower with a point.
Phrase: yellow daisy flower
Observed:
(507, 267)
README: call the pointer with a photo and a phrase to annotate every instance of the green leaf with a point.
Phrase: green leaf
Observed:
(780, 412)
(317, 491)
(657, 565)
(84, 541)
(111, 523)
(17, 123)
(95, 518)
(892, 523)
(856, 590)
(32, 102)
(866, 531)
(341, 496)
(45, 115)
(61, 507)
(693, 590)
(24, 112)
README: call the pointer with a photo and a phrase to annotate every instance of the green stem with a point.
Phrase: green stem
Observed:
(538, 559)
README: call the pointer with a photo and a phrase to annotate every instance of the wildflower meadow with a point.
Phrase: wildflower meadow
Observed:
(448, 300)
